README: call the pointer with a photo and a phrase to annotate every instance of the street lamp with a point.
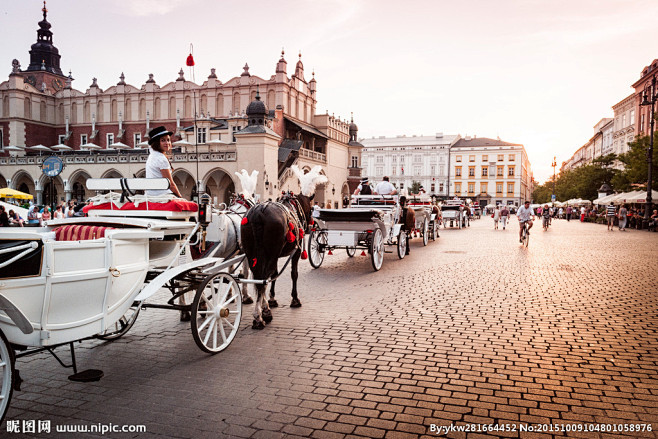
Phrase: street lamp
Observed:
(649, 97)
(554, 164)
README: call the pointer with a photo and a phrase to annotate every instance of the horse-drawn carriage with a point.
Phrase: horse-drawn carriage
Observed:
(428, 217)
(453, 214)
(370, 223)
(89, 277)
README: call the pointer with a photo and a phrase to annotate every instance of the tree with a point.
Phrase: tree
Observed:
(542, 192)
(635, 165)
(415, 187)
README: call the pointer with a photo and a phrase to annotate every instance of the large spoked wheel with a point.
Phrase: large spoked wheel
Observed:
(216, 313)
(526, 238)
(426, 229)
(377, 249)
(351, 251)
(123, 325)
(316, 246)
(402, 244)
(6, 375)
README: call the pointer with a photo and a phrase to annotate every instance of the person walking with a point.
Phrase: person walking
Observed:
(610, 213)
(583, 212)
(569, 212)
(496, 217)
(623, 217)
(504, 215)
(560, 213)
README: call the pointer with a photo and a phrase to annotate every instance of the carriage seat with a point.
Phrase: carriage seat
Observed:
(80, 232)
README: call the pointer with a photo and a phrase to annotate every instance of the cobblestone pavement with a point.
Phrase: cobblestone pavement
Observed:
(472, 329)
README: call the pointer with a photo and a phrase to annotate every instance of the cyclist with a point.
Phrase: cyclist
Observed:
(525, 215)
(546, 217)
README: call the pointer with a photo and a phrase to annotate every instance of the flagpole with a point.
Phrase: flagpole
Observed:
(190, 63)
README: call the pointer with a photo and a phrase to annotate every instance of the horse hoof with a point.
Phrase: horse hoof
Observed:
(295, 303)
(273, 303)
(257, 324)
(267, 315)
(185, 316)
(247, 301)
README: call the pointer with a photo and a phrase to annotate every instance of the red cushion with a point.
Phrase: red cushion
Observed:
(79, 232)
(176, 205)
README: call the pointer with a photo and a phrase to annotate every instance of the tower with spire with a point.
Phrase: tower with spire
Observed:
(43, 54)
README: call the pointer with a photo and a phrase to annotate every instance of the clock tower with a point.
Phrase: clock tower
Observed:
(44, 60)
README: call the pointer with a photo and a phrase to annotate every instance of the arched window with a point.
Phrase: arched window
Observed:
(27, 110)
(86, 113)
(203, 104)
(157, 111)
(188, 107)
(99, 112)
(114, 110)
(61, 117)
(142, 109)
(236, 103)
(128, 111)
(78, 191)
(42, 111)
(219, 105)
(74, 113)
(172, 107)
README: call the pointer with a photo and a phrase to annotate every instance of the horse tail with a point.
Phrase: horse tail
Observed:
(254, 234)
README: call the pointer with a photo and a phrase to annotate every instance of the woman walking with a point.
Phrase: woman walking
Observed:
(504, 214)
(496, 217)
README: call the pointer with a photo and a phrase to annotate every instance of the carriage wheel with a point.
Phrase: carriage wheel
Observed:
(351, 251)
(435, 234)
(123, 325)
(216, 313)
(402, 244)
(6, 375)
(316, 245)
(377, 250)
(426, 228)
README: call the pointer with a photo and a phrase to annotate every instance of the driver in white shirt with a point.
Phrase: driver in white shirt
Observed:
(385, 187)
(524, 214)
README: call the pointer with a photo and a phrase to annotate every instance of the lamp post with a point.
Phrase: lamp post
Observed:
(554, 164)
(649, 98)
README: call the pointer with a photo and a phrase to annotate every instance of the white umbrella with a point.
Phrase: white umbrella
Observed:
(40, 148)
(142, 145)
(217, 142)
(12, 148)
(182, 142)
(90, 146)
(641, 197)
(61, 147)
(119, 145)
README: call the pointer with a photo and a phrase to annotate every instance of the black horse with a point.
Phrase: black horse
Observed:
(270, 231)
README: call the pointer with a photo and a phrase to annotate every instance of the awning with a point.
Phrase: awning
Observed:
(287, 146)
(307, 128)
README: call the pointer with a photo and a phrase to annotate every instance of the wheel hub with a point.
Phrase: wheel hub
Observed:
(223, 313)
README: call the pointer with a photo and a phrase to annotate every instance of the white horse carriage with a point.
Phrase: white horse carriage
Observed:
(89, 277)
(370, 223)
(427, 217)
(453, 214)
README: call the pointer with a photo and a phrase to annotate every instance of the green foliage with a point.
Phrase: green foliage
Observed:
(635, 165)
(415, 187)
(582, 182)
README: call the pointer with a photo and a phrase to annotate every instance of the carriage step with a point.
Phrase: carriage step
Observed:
(87, 376)
(388, 251)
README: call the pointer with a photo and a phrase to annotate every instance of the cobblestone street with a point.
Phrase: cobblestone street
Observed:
(472, 329)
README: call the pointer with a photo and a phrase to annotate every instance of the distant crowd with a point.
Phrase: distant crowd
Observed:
(36, 215)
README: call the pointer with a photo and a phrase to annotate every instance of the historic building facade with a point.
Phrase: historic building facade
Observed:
(104, 131)
(490, 171)
(405, 159)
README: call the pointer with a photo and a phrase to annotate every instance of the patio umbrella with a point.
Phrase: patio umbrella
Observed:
(40, 148)
(142, 145)
(61, 147)
(90, 146)
(6, 192)
(182, 142)
(641, 197)
(119, 145)
(13, 149)
(217, 142)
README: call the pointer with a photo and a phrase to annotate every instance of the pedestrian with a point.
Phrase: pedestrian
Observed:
(59, 214)
(623, 214)
(45, 213)
(504, 215)
(583, 212)
(610, 213)
(569, 212)
(4, 218)
(70, 212)
(560, 213)
(496, 217)
(158, 165)
(385, 187)
(15, 218)
(33, 215)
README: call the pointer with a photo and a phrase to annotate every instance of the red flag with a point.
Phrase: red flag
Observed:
(190, 60)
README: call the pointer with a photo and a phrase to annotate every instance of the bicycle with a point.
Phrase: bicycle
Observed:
(525, 235)
(546, 222)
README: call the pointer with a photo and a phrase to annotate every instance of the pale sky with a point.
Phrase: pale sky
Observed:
(537, 72)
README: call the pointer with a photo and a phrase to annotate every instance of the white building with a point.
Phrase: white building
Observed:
(490, 171)
(405, 159)
(624, 126)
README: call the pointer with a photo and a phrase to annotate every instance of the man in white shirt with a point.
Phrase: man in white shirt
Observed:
(384, 187)
(524, 214)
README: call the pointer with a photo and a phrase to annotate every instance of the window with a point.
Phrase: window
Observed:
(2, 143)
(440, 187)
(60, 139)
(623, 120)
(83, 139)
(110, 139)
(510, 171)
(379, 171)
(395, 170)
(355, 161)
(511, 157)
(471, 171)
(137, 138)
(471, 188)
(417, 170)
(458, 171)
(458, 159)
(432, 169)
(458, 188)
(510, 188)
(201, 135)
(235, 130)
(432, 187)
(501, 157)
(395, 159)
(418, 158)
(499, 187)
(485, 171)
(499, 171)
(379, 159)
(471, 158)
(485, 158)
(483, 188)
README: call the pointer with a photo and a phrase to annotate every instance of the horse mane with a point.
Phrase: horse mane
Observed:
(310, 180)
(248, 183)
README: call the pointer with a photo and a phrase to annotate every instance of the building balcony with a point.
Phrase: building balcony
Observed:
(317, 156)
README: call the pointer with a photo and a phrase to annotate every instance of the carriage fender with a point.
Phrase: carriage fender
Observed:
(15, 315)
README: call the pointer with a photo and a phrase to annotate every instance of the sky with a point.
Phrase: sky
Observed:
(537, 72)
